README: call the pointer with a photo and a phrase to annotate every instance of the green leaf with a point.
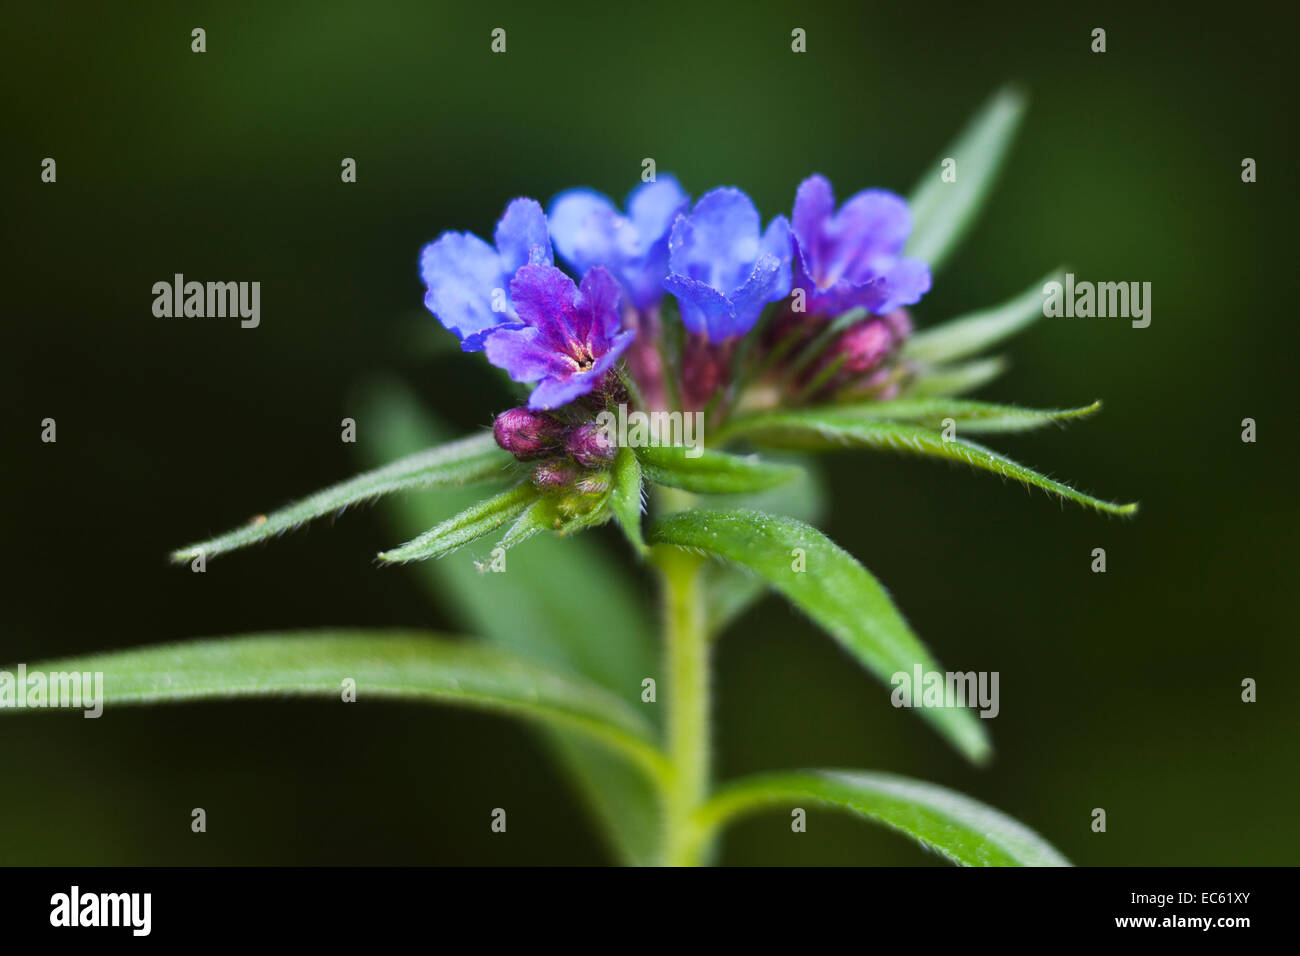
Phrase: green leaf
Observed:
(951, 824)
(837, 592)
(972, 333)
(472, 459)
(536, 518)
(711, 472)
(942, 212)
(625, 500)
(548, 605)
(813, 429)
(410, 665)
(470, 525)
(732, 590)
(802, 497)
(969, 417)
(955, 379)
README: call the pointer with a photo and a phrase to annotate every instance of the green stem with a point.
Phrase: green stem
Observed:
(687, 650)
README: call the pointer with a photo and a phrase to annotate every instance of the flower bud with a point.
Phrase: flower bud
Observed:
(555, 474)
(861, 358)
(705, 369)
(591, 445)
(596, 484)
(586, 495)
(863, 346)
(527, 434)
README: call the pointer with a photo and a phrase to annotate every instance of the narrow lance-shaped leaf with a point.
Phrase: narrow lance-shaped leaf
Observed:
(476, 458)
(968, 416)
(553, 514)
(972, 333)
(956, 379)
(730, 589)
(411, 665)
(625, 499)
(963, 830)
(470, 525)
(704, 471)
(533, 520)
(830, 586)
(804, 430)
(942, 211)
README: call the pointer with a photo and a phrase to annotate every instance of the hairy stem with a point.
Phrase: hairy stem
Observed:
(686, 648)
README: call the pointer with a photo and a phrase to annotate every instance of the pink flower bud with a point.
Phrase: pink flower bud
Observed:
(555, 474)
(591, 446)
(527, 434)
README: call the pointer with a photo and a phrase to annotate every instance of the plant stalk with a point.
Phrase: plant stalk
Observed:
(686, 648)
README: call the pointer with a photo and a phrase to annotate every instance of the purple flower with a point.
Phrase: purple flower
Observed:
(854, 257)
(589, 231)
(468, 279)
(722, 268)
(569, 336)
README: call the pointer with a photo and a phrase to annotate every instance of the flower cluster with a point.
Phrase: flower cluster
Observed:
(611, 335)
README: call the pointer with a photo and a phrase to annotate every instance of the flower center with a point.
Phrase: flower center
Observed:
(581, 357)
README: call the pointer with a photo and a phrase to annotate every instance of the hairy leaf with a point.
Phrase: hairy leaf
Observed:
(813, 429)
(410, 665)
(625, 500)
(830, 586)
(712, 472)
(972, 333)
(955, 379)
(968, 417)
(942, 211)
(731, 589)
(476, 458)
(951, 824)
(470, 525)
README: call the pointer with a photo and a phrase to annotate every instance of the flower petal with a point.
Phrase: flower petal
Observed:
(544, 297)
(865, 237)
(719, 241)
(461, 272)
(522, 237)
(525, 355)
(778, 241)
(764, 285)
(598, 318)
(703, 308)
(814, 205)
(908, 280)
(652, 207)
(588, 230)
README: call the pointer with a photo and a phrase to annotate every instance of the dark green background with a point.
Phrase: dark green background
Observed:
(1118, 691)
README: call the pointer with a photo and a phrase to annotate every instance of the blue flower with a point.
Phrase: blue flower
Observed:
(568, 336)
(854, 257)
(722, 268)
(589, 231)
(468, 280)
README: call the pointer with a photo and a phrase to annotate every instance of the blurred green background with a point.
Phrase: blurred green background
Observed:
(1118, 691)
